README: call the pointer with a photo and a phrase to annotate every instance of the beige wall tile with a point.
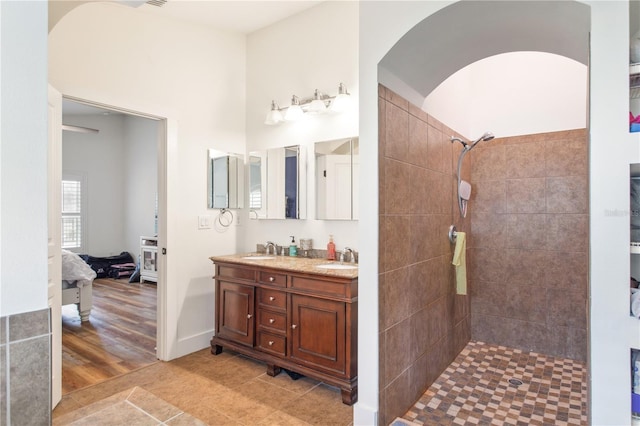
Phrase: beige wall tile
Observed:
(525, 159)
(526, 195)
(567, 194)
(419, 142)
(397, 133)
(566, 157)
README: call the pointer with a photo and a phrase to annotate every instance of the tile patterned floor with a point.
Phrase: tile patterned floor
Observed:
(475, 389)
(227, 389)
(230, 389)
(131, 407)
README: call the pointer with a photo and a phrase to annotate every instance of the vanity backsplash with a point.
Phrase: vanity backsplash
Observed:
(313, 253)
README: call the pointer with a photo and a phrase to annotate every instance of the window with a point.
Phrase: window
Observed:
(72, 211)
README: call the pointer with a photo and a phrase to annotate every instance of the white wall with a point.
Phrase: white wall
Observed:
(119, 165)
(194, 77)
(315, 49)
(141, 180)
(99, 158)
(612, 148)
(23, 157)
(518, 93)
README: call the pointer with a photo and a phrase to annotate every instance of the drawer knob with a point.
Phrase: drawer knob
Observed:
(293, 326)
(271, 298)
(272, 279)
(249, 316)
(270, 342)
(271, 320)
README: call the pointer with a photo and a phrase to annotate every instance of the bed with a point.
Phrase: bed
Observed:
(77, 283)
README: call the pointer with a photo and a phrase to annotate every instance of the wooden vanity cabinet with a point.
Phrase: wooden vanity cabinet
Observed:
(301, 322)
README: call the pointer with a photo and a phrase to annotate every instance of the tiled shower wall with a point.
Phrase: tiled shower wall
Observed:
(528, 249)
(423, 324)
(25, 372)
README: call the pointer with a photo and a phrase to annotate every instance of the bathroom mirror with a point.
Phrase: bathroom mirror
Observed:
(337, 171)
(224, 183)
(257, 184)
(277, 182)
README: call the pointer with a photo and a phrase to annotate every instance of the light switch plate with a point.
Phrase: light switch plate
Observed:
(204, 222)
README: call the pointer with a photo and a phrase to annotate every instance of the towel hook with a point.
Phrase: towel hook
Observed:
(453, 234)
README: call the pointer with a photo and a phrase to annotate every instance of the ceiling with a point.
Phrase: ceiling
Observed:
(237, 16)
(557, 27)
(240, 16)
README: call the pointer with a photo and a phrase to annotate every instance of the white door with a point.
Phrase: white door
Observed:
(54, 178)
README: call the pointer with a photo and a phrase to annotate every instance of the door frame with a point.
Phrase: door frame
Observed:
(54, 253)
(167, 137)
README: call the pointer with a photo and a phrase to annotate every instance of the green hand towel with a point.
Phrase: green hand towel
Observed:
(460, 263)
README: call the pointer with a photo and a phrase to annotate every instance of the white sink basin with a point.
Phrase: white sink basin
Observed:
(336, 266)
(259, 257)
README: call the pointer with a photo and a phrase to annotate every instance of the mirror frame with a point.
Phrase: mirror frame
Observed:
(230, 183)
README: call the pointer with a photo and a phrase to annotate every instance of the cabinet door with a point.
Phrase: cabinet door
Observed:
(318, 333)
(149, 260)
(235, 312)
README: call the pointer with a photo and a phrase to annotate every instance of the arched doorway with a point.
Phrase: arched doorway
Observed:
(418, 61)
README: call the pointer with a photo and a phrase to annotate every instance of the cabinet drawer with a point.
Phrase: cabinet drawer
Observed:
(320, 287)
(228, 271)
(273, 320)
(272, 343)
(272, 298)
(271, 278)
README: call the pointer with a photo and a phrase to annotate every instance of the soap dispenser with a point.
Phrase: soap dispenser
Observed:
(331, 249)
(293, 249)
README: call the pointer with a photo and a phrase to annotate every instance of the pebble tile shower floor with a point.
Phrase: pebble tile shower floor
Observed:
(476, 389)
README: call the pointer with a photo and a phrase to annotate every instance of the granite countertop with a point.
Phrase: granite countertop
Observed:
(288, 263)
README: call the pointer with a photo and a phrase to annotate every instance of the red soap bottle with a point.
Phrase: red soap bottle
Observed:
(331, 249)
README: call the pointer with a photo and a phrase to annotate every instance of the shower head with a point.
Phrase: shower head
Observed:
(486, 137)
(468, 145)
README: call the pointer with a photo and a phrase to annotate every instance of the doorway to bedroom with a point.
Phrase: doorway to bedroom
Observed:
(110, 209)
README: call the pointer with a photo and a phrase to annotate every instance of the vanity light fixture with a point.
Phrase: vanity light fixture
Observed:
(274, 116)
(317, 104)
(342, 99)
(294, 112)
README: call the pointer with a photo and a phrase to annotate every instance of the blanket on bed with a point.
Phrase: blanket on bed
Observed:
(102, 265)
(74, 268)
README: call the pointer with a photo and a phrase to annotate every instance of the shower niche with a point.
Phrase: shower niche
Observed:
(634, 66)
(634, 309)
(634, 246)
(635, 386)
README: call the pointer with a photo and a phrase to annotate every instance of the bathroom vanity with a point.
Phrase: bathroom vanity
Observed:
(290, 314)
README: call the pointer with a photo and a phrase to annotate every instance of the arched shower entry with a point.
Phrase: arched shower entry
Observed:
(423, 323)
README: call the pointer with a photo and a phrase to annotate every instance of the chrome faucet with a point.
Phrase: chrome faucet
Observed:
(269, 244)
(352, 259)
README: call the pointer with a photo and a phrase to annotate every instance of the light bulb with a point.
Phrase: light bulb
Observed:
(342, 100)
(294, 112)
(317, 105)
(274, 116)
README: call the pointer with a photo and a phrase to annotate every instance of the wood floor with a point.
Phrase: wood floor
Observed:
(119, 337)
